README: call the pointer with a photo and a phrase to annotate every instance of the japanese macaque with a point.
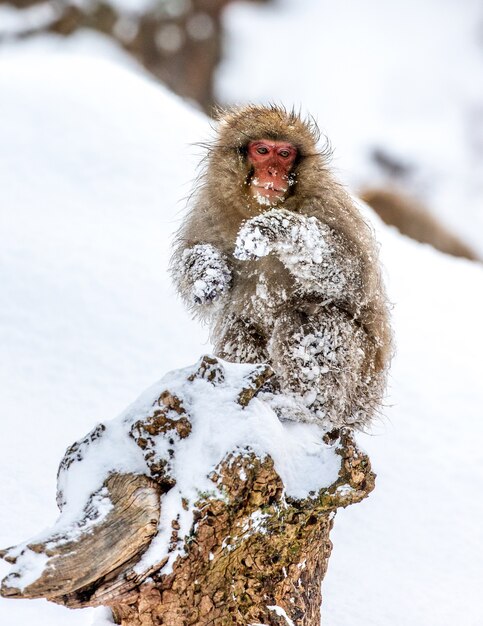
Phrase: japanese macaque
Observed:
(414, 220)
(276, 257)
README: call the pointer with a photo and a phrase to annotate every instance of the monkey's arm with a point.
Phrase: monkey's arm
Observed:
(202, 274)
(314, 253)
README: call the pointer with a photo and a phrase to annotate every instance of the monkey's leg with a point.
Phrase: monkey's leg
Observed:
(325, 361)
(237, 340)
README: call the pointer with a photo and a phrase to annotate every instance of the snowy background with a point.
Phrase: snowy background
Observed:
(95, 162)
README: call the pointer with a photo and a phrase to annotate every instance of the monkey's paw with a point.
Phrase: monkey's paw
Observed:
(208, 273)
(260, 235)
(208, 290)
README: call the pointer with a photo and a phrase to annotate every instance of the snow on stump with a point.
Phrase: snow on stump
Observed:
(195, 506)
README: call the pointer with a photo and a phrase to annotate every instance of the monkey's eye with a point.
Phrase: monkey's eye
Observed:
(284, 153)
(262, 150)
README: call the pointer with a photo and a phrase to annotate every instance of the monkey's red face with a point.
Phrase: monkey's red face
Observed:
(272, 162)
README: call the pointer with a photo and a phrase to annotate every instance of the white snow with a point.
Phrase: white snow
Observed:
(14, 21)
(30, 566)
(278, 610)
(93, 163)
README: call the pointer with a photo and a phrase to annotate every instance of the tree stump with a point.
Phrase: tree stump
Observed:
(246, 543)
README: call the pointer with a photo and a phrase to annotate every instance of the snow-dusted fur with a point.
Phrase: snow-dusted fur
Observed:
(296, 284)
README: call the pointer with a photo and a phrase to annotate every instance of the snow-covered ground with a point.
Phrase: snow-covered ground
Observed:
(94, 162)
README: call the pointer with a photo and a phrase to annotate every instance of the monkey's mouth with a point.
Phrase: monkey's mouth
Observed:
(270, 190)
(268, 187)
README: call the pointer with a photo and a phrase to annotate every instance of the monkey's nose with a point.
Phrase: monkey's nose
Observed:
(272, 171)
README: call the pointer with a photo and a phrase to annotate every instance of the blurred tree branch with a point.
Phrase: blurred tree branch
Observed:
(178, 41)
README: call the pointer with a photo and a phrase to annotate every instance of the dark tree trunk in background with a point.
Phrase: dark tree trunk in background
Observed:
(179, 41)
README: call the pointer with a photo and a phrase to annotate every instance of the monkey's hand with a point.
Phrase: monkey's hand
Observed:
(281, 232)
(204, 274)
(263, 234)
(312, 251)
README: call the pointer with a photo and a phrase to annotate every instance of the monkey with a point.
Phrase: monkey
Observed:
(414, 220)
(277, 259)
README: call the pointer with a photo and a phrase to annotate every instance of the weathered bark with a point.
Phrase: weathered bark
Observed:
(253, 555)
(101, 549)
(252, 552)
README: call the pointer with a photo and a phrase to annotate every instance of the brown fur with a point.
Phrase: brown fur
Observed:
(288, 315)
(413, 220)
